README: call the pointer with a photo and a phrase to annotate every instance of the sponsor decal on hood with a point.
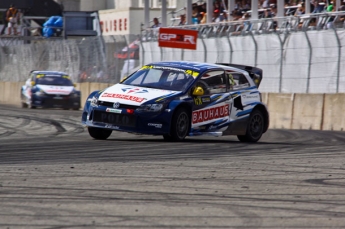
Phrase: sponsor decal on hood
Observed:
(132, 95)
(56, 90)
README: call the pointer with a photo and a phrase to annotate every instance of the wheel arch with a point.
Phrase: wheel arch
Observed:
(186, 106)
(262, 108)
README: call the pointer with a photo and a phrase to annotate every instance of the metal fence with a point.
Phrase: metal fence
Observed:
(297, 54)
(92, 59)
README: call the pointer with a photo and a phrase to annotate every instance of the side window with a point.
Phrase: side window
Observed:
(33, 77)
(213, 82)
(238, 81)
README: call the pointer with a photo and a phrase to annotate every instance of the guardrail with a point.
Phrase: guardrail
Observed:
(320, 21)
(298, 54)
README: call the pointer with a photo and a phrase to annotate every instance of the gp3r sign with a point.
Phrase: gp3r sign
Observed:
(177, 38)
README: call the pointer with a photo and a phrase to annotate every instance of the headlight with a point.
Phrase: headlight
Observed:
(94, 102)
(74, 94)
(150, 107)
(39, 93)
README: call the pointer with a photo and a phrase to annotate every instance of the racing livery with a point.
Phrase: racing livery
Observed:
(178, 99)
(50, 89)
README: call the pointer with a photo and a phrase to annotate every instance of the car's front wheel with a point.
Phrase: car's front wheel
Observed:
(180, 126)
(255, 127)
(99, 133)
(24, 105)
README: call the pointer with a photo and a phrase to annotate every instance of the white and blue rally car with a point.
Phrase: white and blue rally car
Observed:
(50, 89)
(179, 99)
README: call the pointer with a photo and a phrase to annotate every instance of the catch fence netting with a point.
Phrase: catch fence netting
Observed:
(85, 59)
(307, 61)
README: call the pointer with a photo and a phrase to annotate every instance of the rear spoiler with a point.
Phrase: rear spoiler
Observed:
(254, 73)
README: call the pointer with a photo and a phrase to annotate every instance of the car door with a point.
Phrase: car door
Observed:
(245, 96)
(211, 111)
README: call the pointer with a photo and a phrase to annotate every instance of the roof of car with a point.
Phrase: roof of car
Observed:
(49, 72)
(188, 65)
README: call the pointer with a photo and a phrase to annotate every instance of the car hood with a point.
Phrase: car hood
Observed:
(56, 90)
(133, 95)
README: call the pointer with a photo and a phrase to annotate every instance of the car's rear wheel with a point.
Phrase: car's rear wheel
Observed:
(180, 126)
(99, 133)
(255, 127)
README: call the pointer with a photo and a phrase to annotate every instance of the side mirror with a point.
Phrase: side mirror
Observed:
(32, 83)
(198, 91)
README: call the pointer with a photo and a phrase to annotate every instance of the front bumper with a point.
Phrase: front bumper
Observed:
(120, 120)
(56, 101)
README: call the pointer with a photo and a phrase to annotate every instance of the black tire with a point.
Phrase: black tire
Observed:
(24, 105)
(167, 137)
(31, 106)
(99, 133)
(180, 124)
(255, 127)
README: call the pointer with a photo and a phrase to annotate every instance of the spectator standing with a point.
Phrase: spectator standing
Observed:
(342, 7)
(320, 7)
(330, 7)
(204, 18)
(236, 15)
(12, 18)
(271, 12)
(182, 20)
(156, 23)
(195, 14)
(5, 23)
(200, 17)
(300, 10)
(265, 4)
(216, 16)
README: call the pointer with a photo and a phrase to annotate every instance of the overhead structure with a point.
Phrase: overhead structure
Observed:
(164, 13)
(147, 13)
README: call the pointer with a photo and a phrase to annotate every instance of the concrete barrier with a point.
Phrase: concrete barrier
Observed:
(97, 86)
(307, 111)
(11, 92)
(87, 88)
(2, 92)
(280, 108)
(287, 111)
(85, 91)
(333, 112)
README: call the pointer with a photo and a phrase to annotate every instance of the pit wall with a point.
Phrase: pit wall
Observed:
(287, 111)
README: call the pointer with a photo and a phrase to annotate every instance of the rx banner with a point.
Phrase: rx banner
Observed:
(177, 38)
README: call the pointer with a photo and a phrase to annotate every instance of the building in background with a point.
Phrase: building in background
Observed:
(123, 17)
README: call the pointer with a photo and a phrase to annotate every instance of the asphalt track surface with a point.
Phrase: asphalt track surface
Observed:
(53, 175)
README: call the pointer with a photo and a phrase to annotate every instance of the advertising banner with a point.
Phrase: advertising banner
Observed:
(177, 38)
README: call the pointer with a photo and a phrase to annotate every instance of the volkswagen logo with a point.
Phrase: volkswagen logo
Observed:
(116, 105)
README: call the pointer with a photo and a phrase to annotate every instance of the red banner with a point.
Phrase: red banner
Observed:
(177, 38)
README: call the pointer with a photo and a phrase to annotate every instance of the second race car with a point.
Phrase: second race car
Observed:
(50, 89)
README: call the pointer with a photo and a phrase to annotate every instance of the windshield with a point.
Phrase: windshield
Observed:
(159, 77)
(56, 80)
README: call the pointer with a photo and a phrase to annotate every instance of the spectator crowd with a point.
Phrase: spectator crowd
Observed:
(242, 10)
